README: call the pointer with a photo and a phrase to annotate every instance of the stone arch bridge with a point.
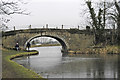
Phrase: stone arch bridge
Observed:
(70, 39)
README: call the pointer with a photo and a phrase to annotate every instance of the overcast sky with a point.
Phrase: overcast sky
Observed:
(52, 12)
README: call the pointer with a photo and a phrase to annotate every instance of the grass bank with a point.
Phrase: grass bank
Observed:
(44, 45)
(12, 69)
(96, 50)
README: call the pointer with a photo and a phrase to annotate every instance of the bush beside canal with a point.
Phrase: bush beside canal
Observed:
(96, 50)
(12, 69)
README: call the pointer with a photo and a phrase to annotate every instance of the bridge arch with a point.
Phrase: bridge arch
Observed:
(61, 41)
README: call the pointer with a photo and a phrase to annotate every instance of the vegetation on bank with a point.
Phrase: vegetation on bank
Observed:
(12, 69)
(96, 50)
(44, 45)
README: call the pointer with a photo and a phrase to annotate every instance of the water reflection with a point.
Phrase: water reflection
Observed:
(50, 63)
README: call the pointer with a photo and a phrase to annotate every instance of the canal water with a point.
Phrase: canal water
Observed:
(50, 64)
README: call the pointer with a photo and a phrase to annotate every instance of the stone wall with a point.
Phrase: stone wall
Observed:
(74, 39)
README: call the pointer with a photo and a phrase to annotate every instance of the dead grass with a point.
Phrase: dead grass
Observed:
(97, 50)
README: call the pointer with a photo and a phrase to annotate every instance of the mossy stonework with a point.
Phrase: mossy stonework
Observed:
(70, 39)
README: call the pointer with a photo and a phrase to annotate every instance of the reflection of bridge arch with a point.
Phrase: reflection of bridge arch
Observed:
(61, 41)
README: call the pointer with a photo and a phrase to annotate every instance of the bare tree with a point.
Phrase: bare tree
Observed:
(117, 5)
(99, 19)
(8, 7)
(115, 16)
(97, 24)
(11, 7)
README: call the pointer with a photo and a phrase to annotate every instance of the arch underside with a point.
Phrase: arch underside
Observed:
(63, 44)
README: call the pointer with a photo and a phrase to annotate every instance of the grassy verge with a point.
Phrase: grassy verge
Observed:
(44, 45)
(96, 50)
(12, 69)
